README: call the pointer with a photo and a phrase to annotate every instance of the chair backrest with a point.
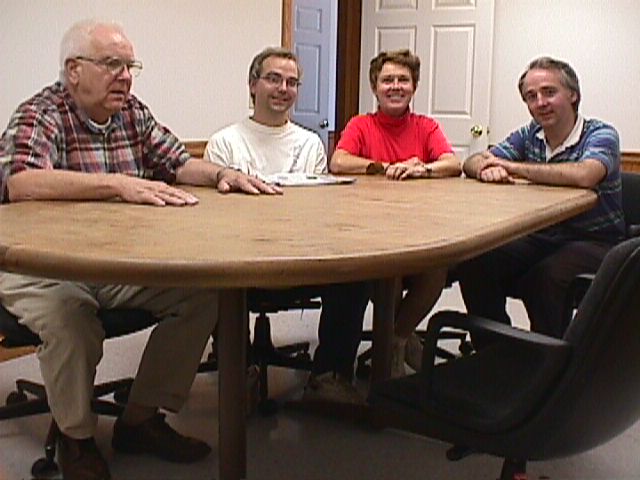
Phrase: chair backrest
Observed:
(116, 322)
(598, 395)
(631, 202)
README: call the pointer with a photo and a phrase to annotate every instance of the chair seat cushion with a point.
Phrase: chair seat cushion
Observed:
(116, 322)
(492, 390)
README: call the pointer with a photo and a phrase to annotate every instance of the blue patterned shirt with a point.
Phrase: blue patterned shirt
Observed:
(597, 141)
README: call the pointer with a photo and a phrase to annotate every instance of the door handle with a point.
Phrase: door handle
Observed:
(324, 123)
(476, 131)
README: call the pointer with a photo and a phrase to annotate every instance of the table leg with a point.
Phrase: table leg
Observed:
(383, 320)
(232, 356)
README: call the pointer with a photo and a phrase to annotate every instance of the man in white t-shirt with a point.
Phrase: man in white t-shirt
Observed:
(269, 143)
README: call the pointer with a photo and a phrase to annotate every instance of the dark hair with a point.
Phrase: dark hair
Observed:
(567, 74)
(255, 69)
(401, 57)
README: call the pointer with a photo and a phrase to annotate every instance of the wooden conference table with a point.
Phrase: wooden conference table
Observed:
(372, 229)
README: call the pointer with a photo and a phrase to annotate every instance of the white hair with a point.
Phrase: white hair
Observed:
(77, 40)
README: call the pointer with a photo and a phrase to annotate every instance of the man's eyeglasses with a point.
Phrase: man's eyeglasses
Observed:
(275, 80)
(116, 66)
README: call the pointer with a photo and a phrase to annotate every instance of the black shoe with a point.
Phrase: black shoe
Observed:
(81, 459)
(156, 437)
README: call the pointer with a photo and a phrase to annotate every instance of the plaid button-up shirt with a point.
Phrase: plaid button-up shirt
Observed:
(49, 131)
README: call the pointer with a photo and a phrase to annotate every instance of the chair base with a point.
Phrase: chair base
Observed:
(263, 353)
(30, 398)
(363, 365)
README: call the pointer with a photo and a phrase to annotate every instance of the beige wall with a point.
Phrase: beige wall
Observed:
(195, 53)
(599, 38)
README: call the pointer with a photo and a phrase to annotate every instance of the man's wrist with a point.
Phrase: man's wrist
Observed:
(219, 174)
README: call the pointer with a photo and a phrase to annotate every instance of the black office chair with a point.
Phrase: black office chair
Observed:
(261, 351)
(30, 397)
(631, 202)
(464, 347)
(631, 209)
(528, 396)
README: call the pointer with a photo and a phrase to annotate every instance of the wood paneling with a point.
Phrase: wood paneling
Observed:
(196, 147)
(631, 161)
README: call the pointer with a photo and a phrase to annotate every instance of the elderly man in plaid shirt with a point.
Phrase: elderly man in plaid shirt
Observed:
(87, 138)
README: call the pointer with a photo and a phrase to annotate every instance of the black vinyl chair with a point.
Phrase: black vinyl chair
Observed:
(30, 398)
(631, 209)
(262, 352)
(631, 202)
(528, 396)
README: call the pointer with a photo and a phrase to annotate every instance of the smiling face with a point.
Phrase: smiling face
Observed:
(98, 91)
(549, 101)
(275, 91)
(394, 89)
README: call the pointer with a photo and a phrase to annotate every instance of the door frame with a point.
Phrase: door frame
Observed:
(347, 57)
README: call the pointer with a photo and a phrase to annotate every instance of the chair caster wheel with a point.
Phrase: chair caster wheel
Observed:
(44, 468)
(458, 452)
(268, 407)
(363, 371)
(16, 397)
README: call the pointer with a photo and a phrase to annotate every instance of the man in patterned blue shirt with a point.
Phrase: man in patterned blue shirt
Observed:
(558, 147)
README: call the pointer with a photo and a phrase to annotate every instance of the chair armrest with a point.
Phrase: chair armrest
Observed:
(633, 231)
(472, 323)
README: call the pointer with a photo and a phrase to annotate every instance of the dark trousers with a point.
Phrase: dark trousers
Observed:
(340, 327)
(538, 269)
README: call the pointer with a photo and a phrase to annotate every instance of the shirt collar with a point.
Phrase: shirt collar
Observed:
(572, 139)
(114, 120)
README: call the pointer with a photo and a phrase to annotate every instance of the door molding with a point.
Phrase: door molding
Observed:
(348, 56)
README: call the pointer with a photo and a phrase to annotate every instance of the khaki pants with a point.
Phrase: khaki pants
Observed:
(63, 314)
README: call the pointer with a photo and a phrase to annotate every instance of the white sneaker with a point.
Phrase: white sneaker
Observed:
(398, 348)
(413, 352)
(329, 387)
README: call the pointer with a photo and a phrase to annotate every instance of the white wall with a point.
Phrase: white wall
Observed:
(196, 53)
(599, 38)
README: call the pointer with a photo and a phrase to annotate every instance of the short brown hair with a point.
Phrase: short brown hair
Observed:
(401, 57)
(255, 69)
(567, 75)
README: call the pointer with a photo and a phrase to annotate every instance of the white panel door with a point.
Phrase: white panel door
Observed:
(312, 43)
(454, 40)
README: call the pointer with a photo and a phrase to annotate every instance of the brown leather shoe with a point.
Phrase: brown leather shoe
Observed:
(81, 459)
(156, 437)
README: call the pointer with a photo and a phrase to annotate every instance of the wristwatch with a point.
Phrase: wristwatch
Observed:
(428, 171)
(375, 168)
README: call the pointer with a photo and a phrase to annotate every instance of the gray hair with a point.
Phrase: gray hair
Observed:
(567, 75)
(77, 40)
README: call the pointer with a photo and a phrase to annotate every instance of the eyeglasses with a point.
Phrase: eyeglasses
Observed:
(275, 80)
(116, 66)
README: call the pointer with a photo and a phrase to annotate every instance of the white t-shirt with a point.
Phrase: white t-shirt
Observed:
(259, 150)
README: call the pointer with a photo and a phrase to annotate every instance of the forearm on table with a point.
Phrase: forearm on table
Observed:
(447, 165)
(49, 184)
(585, 174)
(199, 172)
(344, 162)
(471, 164)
